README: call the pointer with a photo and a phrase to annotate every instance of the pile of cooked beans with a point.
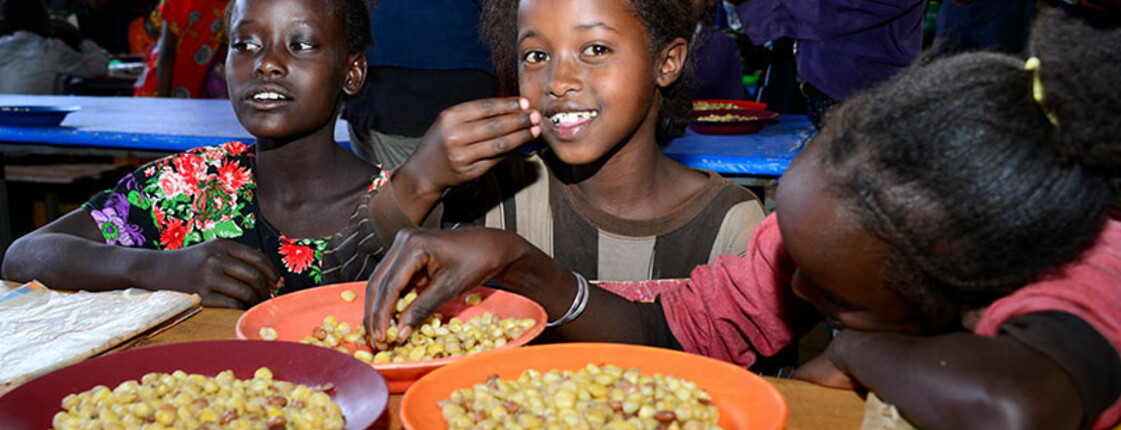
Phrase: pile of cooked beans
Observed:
(728, 117)
(701, 105)
(179, 400)
(434, 339)
(597, 396)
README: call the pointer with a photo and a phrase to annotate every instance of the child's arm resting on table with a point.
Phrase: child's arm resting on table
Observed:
(1045, 370)
(71, 254)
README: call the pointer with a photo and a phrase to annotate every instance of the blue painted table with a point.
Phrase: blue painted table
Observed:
(754, 160)
(765, 153)
(125, 126)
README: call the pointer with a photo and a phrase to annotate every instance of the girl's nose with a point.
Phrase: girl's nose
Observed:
(270, 63)
(565, 80)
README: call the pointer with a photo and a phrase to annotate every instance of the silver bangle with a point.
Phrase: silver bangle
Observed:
(578, 303)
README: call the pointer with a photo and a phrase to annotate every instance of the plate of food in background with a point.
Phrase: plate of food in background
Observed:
(730, 116)
(232, 383)
(590, 385)
(330, 316)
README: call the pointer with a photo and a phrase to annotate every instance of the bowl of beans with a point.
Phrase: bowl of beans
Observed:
(593, 385)
(228, 383)
(730, 116)
(330, 317)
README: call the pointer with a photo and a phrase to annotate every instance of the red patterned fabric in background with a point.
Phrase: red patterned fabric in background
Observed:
(199, 26)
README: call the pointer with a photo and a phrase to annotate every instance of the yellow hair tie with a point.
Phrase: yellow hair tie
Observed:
(1032, 65)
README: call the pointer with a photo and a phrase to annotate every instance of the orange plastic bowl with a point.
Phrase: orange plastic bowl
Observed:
(745, 400)
(360, 392)
(295, 315)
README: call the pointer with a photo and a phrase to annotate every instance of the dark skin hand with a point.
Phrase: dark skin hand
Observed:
(956, 380)
(223, 273)
(464, 143)
(444, 264)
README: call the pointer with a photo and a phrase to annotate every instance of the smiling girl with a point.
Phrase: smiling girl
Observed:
(951, 223)
(605, 82)
(234, 223)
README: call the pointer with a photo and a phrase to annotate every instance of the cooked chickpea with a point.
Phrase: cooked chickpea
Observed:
(196, 401)
(580, 399)
(348, 295)
(267, 333)
(431, 340)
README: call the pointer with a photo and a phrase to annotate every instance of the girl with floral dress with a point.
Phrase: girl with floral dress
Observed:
(234, 223)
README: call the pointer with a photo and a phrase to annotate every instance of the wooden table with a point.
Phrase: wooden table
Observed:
(811, 407)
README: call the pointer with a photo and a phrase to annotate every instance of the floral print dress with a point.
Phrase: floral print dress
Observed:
(200, 195)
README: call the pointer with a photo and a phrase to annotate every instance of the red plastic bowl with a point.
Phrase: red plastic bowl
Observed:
(758, 119)
(295, 315)
(360, 391)
(745, 400)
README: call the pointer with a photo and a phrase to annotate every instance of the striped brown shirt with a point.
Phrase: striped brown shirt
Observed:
(523, 195)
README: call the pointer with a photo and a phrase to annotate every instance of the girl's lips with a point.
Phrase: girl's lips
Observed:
(267, 105)
(569, 130)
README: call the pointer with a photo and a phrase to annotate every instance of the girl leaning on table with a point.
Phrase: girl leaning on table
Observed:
(604, 83)
(950, 224)
(234, 223)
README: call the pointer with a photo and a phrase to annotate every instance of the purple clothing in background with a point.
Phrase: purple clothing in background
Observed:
(844, 46)
(717, 68)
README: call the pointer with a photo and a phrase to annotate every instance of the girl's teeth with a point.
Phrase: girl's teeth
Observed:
(268, 96)
(572, 117)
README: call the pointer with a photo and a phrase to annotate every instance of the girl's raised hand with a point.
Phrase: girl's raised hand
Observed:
(223, 272)
(465, 142)
(441, 265)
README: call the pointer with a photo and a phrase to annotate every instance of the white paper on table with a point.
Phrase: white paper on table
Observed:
(43, 330)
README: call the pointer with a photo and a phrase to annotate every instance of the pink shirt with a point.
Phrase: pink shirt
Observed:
(735, 308)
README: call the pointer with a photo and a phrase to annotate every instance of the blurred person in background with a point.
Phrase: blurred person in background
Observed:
(997, 25)
(186, 60)
(414, 74)
(33, 57)
(841, 46)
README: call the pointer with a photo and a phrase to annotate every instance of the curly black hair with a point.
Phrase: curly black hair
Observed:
(354, 15)
(664, 21)
(958, 169)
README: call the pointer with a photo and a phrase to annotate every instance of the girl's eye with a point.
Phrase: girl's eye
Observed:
(534, 57)
(241, 45)
(596, 50)
(301, 46)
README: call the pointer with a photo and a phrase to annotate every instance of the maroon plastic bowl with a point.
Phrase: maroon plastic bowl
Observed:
(359, 390)
(757, 119)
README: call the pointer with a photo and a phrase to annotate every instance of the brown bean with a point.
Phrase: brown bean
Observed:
(278, 401)
(277, 423)
(665, 416)
(230, 415)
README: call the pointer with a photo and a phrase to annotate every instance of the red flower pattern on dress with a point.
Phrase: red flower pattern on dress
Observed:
(191, 166)
(235, 147)
(173, 236)
(233, 175)
(173, 184)
(297, 258)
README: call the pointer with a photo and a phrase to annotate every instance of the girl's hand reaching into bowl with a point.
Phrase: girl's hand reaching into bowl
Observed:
(440, 265)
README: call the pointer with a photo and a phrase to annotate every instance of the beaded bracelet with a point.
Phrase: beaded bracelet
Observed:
(578, 303)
